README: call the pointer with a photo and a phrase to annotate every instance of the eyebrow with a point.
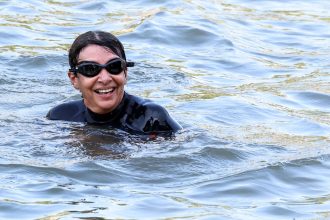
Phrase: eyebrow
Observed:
(86, 61)
(93, 62)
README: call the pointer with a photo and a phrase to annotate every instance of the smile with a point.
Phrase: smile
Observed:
(104, 91)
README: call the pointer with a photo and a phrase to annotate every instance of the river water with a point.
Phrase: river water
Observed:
(248, 81)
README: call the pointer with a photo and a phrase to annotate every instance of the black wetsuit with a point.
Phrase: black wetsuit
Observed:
(134, 115)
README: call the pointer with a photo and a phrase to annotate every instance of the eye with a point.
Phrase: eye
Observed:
(89, 69)
(115, 67)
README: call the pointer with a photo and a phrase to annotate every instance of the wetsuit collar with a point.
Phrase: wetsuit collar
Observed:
(94, 118)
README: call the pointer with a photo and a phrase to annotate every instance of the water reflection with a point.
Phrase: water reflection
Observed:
(101, 142)
(107, 142)
(248, 80)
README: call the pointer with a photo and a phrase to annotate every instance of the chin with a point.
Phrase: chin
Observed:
(103, 109)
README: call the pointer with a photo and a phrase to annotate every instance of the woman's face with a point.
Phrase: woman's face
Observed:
(103, 92)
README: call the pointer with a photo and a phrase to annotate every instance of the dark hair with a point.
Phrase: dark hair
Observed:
(101, 38)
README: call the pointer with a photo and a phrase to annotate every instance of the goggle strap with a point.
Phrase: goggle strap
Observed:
(130, 64)
(74, 70)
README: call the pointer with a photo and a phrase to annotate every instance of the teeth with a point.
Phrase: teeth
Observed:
(103, 91)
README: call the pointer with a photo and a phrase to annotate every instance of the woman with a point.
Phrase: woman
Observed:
(99, 71)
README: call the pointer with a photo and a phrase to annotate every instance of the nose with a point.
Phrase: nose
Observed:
(104, 76)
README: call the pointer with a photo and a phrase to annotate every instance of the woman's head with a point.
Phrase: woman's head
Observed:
(100, 38)
(104, 91)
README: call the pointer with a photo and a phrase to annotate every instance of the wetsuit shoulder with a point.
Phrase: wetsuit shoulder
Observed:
(149, 117)
(70, 111)
(158, 119)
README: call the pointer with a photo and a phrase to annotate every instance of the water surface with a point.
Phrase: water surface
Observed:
(248, 81)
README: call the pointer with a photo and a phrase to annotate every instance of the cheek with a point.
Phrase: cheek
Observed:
(120, 80)
(85, 84)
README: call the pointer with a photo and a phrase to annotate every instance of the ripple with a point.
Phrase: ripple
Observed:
(249, 80)
(311, 99)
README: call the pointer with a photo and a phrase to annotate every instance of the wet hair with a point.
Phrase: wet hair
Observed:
(100, 38)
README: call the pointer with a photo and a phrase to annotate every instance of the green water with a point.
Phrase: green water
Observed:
(248, 81)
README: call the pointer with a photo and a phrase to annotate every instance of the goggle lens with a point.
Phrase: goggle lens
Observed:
(114, 67)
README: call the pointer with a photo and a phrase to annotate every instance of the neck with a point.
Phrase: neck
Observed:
(106, 117)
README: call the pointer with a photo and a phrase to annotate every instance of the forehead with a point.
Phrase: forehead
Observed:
(96, 53)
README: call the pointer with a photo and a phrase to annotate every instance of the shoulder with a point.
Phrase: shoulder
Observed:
(150, 117)
(70, 111)
(146, 107)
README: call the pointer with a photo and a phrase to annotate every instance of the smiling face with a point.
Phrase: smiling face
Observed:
(103, 92)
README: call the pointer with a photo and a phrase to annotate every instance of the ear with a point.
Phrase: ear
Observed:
(74, 79)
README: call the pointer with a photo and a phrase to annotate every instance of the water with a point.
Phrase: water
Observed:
(248, 80)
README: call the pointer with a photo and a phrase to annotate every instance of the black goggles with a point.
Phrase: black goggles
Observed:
(91, 69)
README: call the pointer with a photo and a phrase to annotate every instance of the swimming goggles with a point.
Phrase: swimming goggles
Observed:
(91, 69)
